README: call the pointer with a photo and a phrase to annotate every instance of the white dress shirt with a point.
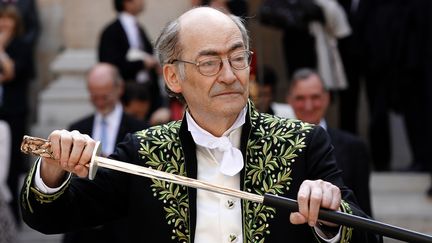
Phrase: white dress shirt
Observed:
(130, 25)
(113, 121)
(219, 217)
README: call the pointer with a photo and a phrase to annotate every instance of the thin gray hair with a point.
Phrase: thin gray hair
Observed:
(302, 74)
(168, 48)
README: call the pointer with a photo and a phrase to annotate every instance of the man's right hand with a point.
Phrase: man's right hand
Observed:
(72, 151)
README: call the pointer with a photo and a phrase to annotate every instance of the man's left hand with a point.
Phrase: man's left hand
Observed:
(313, 195)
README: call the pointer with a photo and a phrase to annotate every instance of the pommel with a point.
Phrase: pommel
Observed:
(36, 146)
(42, 147)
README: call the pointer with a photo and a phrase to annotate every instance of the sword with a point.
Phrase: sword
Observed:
(42, 147)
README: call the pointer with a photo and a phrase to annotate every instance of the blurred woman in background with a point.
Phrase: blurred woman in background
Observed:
(15, 74)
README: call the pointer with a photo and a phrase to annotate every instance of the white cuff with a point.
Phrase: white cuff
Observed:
(41, 186)
(323, 237)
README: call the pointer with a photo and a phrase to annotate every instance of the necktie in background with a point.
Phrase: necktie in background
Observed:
(104, 136)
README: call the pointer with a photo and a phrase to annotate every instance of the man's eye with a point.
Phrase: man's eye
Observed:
(209, 63)
(240, 58)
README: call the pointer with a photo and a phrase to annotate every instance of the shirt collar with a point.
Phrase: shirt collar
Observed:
(112, 116)
(323, 124)
(126, 17)
(195, 128)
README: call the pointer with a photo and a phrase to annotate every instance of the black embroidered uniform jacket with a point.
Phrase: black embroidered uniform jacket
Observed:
(279, 154)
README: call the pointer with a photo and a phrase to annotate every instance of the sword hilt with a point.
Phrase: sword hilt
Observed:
(37, 147)
(42, 147)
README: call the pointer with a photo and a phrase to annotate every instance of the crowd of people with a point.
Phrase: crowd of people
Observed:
(201, 86)
(386, 51)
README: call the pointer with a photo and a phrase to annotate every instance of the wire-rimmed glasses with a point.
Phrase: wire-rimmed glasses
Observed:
(210, 66)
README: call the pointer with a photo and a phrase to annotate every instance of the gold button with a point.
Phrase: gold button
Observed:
(232, 238)
(230, 204)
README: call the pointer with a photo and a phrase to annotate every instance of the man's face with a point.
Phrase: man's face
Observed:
(103, 93)
(224, 94)
(309, 100)
(134, 7)
(138, 109)
(7, 26)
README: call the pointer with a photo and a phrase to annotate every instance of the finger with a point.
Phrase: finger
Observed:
(88, 150)
(297, 218)
(54, 139)
(336, 198)
(335, 202)
(314, 204)
(81, 170)
(303, 198)
(79, 143)
(65, 148)
(327, 195)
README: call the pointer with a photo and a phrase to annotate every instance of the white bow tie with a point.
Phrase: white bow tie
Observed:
(232, 158)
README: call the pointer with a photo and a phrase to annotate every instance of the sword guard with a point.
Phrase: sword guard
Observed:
(93, 166)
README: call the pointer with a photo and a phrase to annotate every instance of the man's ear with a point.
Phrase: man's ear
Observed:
(172, 78)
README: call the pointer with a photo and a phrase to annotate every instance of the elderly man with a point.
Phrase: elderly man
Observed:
(222, 139)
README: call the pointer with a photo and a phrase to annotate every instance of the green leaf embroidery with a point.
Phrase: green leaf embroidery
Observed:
(272, 147)
(169, 158)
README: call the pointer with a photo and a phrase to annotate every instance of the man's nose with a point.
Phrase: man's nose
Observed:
(308, 105)
(227, 73)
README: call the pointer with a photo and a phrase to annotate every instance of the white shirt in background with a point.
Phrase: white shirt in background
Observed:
(113, 121)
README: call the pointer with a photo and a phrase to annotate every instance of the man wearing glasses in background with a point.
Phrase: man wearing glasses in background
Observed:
(222, 140)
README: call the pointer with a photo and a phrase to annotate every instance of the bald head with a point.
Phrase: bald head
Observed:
(202, 18)
(105, 87)
(198, 22)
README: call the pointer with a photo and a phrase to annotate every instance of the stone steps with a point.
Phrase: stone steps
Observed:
(399, 199)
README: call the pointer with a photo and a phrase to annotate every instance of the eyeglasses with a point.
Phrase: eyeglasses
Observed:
(212, 65)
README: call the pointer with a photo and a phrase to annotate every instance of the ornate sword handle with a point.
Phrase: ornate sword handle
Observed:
(42, 147)
(36, 146)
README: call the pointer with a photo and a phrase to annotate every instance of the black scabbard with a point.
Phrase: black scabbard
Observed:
(353, 221)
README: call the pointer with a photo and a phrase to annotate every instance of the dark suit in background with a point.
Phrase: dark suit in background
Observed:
(112, 232)
(352, 51)
(353, 158)
(114, 46)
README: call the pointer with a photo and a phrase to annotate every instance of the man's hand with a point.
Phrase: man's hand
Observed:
(311, 196)
(72, 151)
